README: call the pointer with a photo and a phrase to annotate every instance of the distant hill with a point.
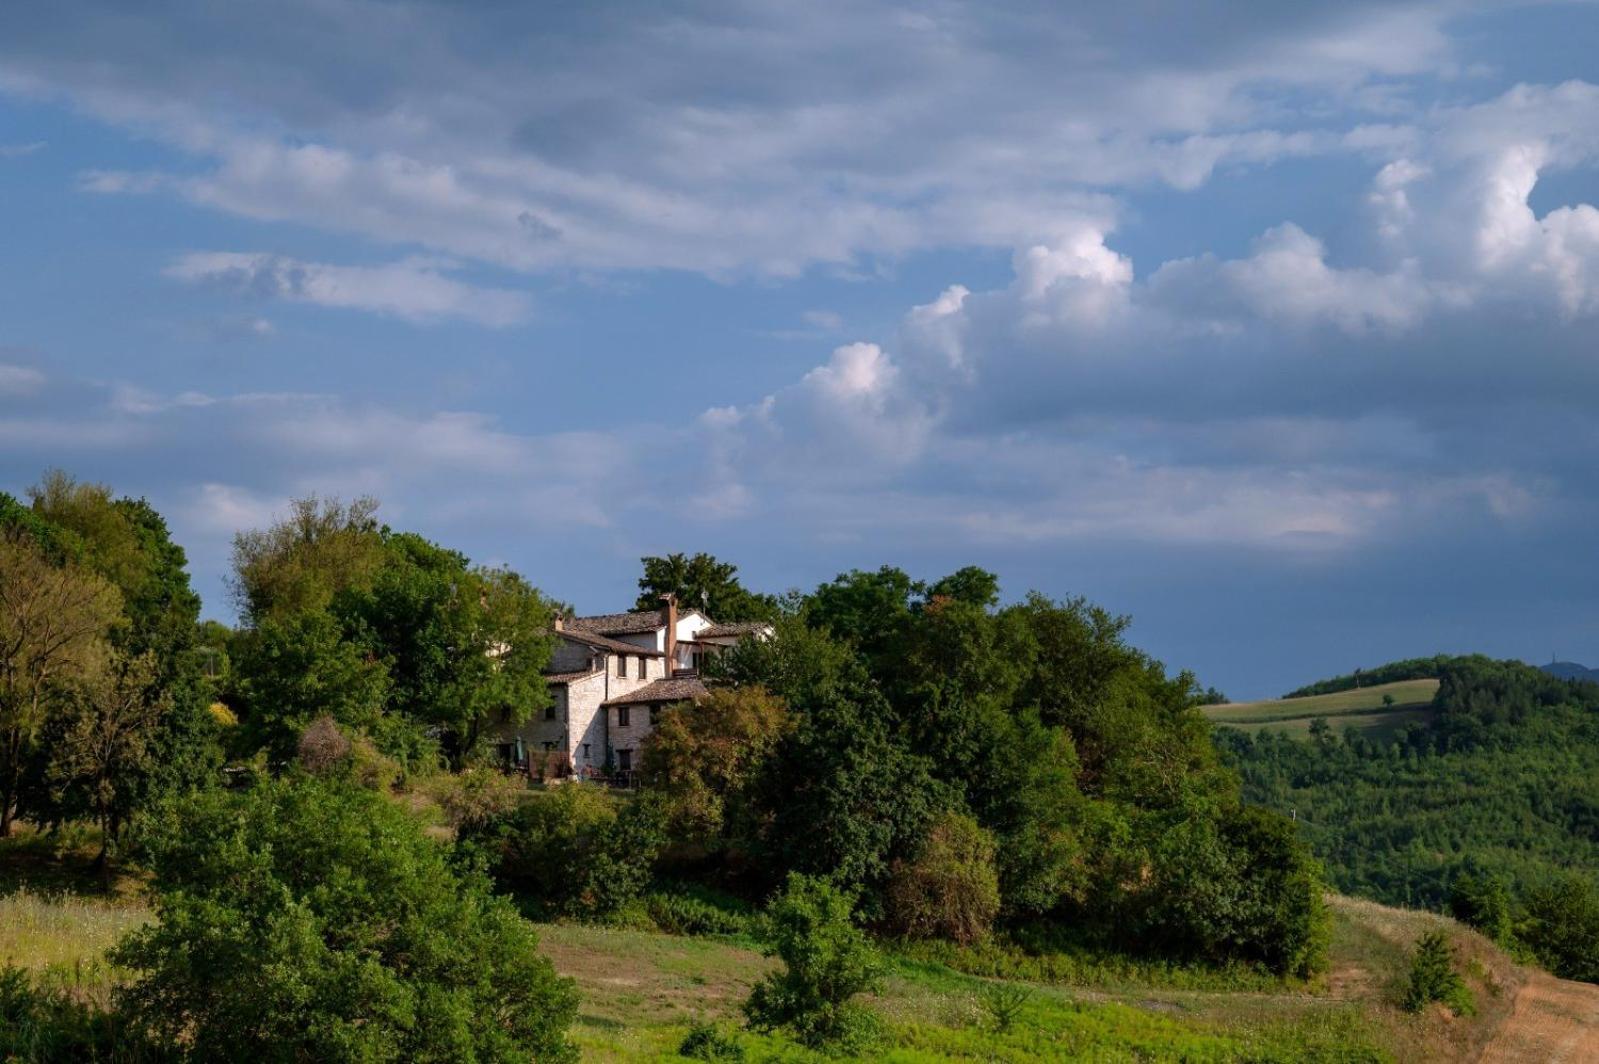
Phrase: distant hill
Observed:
(1495, 776)
(1570, 670)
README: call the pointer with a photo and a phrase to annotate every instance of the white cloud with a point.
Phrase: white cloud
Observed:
(19, 380)
(18, 151)
(757, 138)
(413, 289)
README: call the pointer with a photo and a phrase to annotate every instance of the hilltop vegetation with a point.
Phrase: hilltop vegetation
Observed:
(1380, 709)
(901, 761)
(1481, 808)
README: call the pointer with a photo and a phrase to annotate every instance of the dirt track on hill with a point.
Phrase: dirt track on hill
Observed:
(1553, 1021)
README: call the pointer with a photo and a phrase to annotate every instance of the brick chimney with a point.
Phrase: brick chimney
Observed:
(669, 618)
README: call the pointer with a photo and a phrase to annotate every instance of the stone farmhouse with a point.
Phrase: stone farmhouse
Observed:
(609, 676)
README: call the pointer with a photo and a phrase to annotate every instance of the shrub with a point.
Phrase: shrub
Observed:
(477, 796)
(827, 960)
(1562, 927)
(951, 889)
(705, 1041)
(1002, 1005)
(689, 910)
(1433, 977)
(1484, 903)
(576, 850)
(43, 1025)
(322, 747)
(306, 919)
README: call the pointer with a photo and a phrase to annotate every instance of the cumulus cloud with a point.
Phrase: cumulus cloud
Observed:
(413, 289)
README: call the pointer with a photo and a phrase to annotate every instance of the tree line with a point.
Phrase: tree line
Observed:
(916, 755)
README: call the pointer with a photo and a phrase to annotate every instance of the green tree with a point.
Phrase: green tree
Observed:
(1483, 902)
(299, 563)
(298, 667)
(55, 620)
(705, 759)
(108, 742)
(458, 643)
(827, 962)
(310, 920)
(1433, 977)
(701, 582)
(1562, 926)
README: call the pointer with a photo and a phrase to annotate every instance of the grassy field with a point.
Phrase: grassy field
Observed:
(1362, 708)
(641, 991)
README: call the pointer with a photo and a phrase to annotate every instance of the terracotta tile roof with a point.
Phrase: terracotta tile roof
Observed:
(677, 689)
(616, 646)
(616, 623)
(735, 628)
(559, 678)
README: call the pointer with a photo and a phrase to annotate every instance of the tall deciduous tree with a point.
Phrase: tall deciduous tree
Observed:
(54, 620)
(109, 741)
(701, 582)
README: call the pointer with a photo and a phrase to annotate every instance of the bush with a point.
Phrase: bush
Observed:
(827, 960)
(690, 910)
(43, 1026)
(1433, 978)
(575, 851)
(306, 919)
(705, 1041)
(1562, 927)
(322, 748)
(1484, 903)
(1002, 1005)
(951, 889)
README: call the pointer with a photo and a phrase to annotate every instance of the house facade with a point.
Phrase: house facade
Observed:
(609, 676)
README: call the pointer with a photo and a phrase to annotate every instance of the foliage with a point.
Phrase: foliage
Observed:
(1002, 1004)
(687, 909)
(705, 758)
(1433, 978)
(305, 919)
(49, 1025)
(395, 637)
(107, 741)
(297, 668)
(703, 583)
(950, 890)
(1495, 796)
(1562, 926)
(827, 961)
(55, 620)
(574, 851)
(1091, 767)
(1483, 902)
(1393, 672)
(706, 1041)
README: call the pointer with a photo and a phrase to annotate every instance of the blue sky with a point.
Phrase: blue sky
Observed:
(1272, 325)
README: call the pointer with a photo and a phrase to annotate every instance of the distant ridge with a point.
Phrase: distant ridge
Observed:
(1570, 670)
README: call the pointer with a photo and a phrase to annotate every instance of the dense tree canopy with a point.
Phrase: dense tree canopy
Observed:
(1112, 817)
(391, 635)
(701, 582)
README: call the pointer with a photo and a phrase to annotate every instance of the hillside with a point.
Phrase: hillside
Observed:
(640, 992)
(1380, 709)
(1570, 670)
(1486, 798)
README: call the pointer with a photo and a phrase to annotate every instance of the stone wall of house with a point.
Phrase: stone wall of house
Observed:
(571, 657)
(629, 736)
